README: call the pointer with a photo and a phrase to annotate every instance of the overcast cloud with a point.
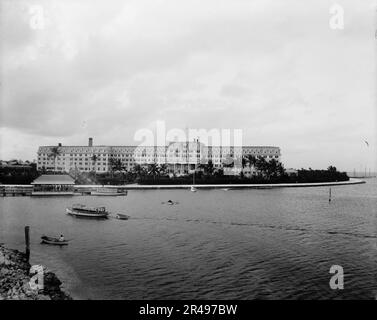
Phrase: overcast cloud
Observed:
(272, 68)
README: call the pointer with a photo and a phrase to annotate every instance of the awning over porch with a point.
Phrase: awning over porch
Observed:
(58, 179)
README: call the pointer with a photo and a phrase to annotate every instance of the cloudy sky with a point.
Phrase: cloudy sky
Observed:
(275, 69)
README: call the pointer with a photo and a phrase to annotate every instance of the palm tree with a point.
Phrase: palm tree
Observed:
(202, 166)
(280, 169)
(273, 169)
(210, 168)
(112, 164)
(219, 172)
(118, 165)
(54, 153)
(94, 159)
(138, 170)
(244, 162)
(261, 164)
(163, 168)
(153, 170)
(252, 160)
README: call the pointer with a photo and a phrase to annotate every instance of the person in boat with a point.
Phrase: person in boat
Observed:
(61, 238)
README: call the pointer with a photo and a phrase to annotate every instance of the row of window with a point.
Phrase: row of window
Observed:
(131, 157)
(131, 152)
(147, 159)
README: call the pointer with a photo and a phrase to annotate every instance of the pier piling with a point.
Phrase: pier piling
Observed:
(27, 242)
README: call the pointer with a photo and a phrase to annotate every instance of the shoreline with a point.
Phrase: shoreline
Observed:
(81, 190)
(245, 186)
(15, 276)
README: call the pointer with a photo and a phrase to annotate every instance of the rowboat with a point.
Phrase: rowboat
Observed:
(122, 216)
(80, 210)
(54, 241)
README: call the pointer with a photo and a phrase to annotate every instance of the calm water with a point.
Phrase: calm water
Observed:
(215, 244)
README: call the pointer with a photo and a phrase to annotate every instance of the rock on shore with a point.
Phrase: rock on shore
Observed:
(15, 279)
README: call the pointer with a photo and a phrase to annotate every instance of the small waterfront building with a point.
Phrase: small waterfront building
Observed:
(60, 184)
(291, 171)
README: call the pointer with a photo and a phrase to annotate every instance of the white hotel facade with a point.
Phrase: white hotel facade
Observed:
(179, 157)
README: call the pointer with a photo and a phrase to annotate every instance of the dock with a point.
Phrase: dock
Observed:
(12, 190)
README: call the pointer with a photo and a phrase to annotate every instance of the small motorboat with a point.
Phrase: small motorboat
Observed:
(170, 202)
(121, 216)
(54, 241)
(109, 192)
(80, 210)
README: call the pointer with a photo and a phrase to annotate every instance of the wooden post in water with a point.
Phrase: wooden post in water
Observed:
(27, 242)
(330, 195)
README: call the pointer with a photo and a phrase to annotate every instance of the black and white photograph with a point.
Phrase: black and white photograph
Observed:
(212, 151)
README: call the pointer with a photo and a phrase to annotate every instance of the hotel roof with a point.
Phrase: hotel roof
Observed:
(54, 179)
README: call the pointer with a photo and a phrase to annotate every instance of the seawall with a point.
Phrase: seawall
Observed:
(234, 186)
(26, 190)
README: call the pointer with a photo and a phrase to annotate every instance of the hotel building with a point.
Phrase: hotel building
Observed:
(179, 157)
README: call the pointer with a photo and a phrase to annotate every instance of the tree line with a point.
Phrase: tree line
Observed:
(260, 170)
